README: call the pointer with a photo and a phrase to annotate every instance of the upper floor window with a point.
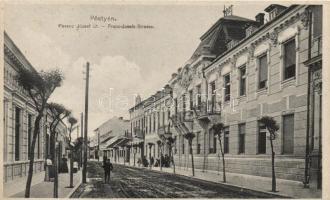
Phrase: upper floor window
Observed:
(226, 140)
(199, 97)
(242, 85)
(290, 59)
(191, 99)
(184, 103)
(227, 86)
(175, 106)
(263, 72)
(213, 97)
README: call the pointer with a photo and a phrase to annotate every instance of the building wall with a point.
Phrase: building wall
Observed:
(16, 97)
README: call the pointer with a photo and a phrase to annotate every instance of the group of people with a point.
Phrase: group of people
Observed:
(165, 161)
(62, 167)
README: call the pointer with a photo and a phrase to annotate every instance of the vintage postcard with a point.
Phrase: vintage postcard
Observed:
(171, 99)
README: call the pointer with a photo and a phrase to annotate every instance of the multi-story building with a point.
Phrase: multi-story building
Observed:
(18, 120)
(241, 71)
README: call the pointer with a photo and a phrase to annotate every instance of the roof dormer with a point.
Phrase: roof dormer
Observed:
(273, 10)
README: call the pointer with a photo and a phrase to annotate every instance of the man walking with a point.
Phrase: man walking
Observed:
(107, 168)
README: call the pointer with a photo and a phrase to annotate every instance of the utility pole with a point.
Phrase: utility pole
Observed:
(86, 124)
(98, 145)
(82, 137)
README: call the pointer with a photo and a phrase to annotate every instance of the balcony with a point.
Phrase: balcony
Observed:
(207, 111)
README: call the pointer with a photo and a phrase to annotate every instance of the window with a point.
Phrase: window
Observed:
(154, 120)
(182, 145)
(289, 59)
(175, 147)
(191, 99)
(149, 123)
(29, 134)
(241, 138)
(226, 140)
(198, 144)
(227, 86)
(242, 85)
(17, 132)
(288, 134)
(262, 139)
(213, 97)
(158, 119)
(199, 97)
(175, 106)
(183, 103)
(263, 71)
(163, 112)
(212, 142)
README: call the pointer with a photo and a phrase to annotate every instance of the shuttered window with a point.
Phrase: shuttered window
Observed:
(289, 59)
(288, 134)
(226, 140)
(241, 138)
(263, 71)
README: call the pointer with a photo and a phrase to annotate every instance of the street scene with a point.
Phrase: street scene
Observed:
(170, 100)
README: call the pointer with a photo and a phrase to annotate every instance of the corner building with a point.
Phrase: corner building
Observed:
(242, 70)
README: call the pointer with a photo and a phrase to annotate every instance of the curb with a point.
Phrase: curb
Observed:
(235, 187)
(74, 190)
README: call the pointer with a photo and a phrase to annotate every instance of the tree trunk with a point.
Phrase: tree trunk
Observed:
(192, 158)
(55, 195)
(34, 139)
(223, 160)
(172, 159)
(71, 169)
(273, 167)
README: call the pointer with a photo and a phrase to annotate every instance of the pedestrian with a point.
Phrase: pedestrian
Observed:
(152, 161)
(75, 167)
(107, 169)
(64, 165)
(49, 169)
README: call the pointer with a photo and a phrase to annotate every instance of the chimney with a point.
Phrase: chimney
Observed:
(260, 18)
(174, 75)
(120, 118)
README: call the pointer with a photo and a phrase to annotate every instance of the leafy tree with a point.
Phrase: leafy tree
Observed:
(72, 121)
(272, 128)
(170, 142)
(39, 87)
(218, 129)
(190, 136)
(58, 113)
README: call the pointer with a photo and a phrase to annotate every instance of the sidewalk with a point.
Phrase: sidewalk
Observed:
(41, 189)
(286, 188)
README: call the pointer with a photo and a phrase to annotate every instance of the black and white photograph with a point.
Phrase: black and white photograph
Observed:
(168, 99)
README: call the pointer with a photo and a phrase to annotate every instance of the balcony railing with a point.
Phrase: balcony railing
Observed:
(316, 48)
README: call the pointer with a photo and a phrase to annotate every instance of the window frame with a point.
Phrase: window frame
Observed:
(283, 46)
(225, 88)
(240, 80)
(264, 54)
(241, 150)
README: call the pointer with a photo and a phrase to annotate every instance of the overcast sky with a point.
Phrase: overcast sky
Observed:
(124, 62)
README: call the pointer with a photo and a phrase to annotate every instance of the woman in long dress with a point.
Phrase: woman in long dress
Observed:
(64, 165)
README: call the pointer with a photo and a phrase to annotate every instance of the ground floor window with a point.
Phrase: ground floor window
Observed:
(17, 132)
(226, 140)
(262, 139)
(241, 138)
(288, 134)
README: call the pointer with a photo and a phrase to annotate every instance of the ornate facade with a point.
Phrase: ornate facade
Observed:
(243, 70)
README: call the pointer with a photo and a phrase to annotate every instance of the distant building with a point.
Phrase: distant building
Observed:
(107, 135)
(242, 70)
(18, 120)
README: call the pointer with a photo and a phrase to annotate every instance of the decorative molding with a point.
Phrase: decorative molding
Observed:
(305, 19)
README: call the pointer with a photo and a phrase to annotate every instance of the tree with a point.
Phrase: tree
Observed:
(170, 142)
(58, 113)
(72, 121)
(160, 144)
(218, 129)
(39, 87)
(272, 128)
(190, 136)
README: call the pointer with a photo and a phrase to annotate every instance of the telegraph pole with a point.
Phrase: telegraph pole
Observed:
(86, 124)
(82, 137)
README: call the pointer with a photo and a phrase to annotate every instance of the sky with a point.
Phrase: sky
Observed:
(123, 62)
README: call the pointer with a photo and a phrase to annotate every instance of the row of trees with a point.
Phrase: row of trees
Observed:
(39, 87)
(218, 129)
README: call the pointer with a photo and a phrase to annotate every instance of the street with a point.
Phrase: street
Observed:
(129, 182)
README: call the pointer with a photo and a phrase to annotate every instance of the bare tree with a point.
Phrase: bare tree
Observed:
(39, 87)
(72, 121)
(218, 130)
(272, 128)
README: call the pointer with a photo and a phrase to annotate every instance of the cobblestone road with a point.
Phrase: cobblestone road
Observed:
(128, 182)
